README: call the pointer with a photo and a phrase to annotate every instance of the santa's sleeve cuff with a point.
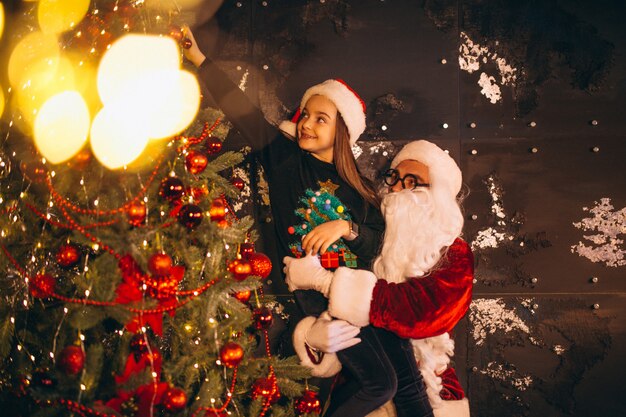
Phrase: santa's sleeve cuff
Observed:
(351, 295)
(329, 364)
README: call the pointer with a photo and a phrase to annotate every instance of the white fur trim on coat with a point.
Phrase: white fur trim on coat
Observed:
(350, 295)
(330, 364)
(433, 356)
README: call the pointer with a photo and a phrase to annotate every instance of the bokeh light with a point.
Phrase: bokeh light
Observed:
(1, 101)
(169, 101)
(62, 126)
(130, 59)
(42, 80)
(1, 19)
(145, 95)
(33, 50)
(56, 16)
(117, 136)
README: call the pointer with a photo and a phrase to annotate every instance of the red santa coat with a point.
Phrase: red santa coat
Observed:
(426, 306)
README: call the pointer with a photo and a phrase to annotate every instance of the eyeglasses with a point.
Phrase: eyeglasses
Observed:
(409, 181)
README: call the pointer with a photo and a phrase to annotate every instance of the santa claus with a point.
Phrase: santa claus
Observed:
(421, 284)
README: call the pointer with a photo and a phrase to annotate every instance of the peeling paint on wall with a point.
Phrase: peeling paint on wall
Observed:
(500, 372)
(490, 315)
(473, 56)
(606, 246)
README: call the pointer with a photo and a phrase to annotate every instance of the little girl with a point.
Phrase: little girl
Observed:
(315, 159)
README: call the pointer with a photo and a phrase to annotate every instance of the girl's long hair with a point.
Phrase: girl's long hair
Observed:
(346, 165)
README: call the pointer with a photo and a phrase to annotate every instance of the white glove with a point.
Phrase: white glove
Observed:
(307, 274)
(330, 336)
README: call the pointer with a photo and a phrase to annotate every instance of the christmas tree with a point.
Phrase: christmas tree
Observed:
(132, 291)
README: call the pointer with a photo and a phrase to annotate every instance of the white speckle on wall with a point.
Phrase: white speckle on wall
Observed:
(606, 247)
(244, 195)
(473, 55)
(491, 237)
(491, 315)
(489, 88)
(244, 80)
(488, 238)
(497, 371)
(558, 349)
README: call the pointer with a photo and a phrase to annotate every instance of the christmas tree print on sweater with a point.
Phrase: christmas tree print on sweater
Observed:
(320, 207)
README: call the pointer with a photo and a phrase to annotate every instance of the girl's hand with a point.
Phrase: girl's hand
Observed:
(193, 54)
(321, 237)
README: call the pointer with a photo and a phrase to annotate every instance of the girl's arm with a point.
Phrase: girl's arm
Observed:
(240, 111)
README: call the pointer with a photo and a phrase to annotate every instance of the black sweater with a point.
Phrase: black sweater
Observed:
(290, 172)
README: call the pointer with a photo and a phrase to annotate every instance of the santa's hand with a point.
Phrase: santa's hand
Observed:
(307, 274)
(330, 336)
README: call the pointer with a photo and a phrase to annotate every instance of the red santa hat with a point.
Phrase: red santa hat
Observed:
(442, 168)
(348, 103)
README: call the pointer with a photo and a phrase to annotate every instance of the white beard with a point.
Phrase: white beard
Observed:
(420, 225)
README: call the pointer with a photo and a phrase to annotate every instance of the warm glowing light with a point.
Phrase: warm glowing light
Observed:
(170, 100)
(62, 126)
(33, 49)
(145, 95)
(1, 101)
(1, 19)
(117, 137)
(56, 16)
(129, 60)
(42, 80)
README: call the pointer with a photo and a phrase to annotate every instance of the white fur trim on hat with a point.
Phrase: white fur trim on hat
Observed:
(330, 364)
(442, 168)
(348, 103)
(350, 295)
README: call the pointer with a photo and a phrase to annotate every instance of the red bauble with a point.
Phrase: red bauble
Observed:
(308, 403)
(246, 249)
(243, 296)
(71, 360)
(213, 145)
(174, 400)
(190, 216)
(262, 318)
(160, 264)
(217, 212)
(172, 189)
(163, 287)
(136, 212)
(240, 269)
(68, 255)
(266, 388)
(186, 43)
(238, 183)
(42, 286)
(196, 162)
(35, 171)
(261, 264)
(231, 354)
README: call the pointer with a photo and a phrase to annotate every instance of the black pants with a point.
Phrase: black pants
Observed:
(382, 367)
